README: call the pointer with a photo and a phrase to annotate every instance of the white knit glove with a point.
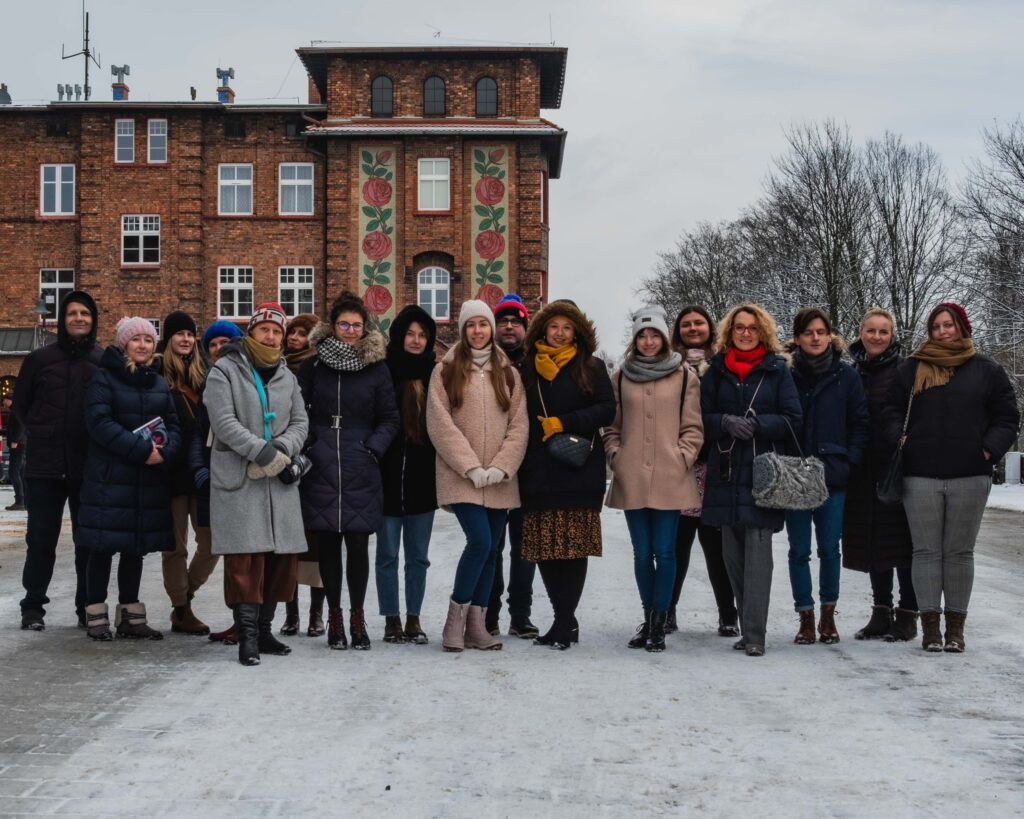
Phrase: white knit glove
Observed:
(255, 471)
(478, 475)
(493, 475)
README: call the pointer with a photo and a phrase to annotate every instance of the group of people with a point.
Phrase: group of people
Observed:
(287, 445)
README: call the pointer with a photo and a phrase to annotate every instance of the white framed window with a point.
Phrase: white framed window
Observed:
(234, 292)
(435, 292)
(124, 140)
(57, 190)
(54, 285)
(295, 188)
(235, 189)
(434, 181)
(295, 289)
(140, 239)
(156, 326)
(157, 150)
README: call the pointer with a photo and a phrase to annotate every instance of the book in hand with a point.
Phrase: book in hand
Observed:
(153, 430)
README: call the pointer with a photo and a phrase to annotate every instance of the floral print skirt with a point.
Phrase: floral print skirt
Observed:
(561, 534)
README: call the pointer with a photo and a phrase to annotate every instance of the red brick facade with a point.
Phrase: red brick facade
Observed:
(196, 240)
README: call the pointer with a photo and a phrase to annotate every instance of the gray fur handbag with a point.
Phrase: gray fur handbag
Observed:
(787, 481)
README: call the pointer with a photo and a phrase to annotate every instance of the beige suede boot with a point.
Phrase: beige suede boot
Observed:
(477, 635)
(453, 637)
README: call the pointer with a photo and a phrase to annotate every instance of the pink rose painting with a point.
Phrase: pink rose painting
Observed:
(490, 223)
(376, 231)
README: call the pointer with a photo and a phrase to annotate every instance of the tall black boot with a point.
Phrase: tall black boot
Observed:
(656, 640)
(246, 629)
(268, 643)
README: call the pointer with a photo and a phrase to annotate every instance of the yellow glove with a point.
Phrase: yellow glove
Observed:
(552, 426)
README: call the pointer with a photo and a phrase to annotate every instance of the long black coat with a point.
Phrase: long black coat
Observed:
(950, 426)
(835, 414)
(352, 421)
(876, 536)
(125, 504)
(545, 483)
(728, 498)
(198, 457)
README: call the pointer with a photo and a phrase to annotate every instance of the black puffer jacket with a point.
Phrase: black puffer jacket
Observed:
(951, 426)
(352, 421)
(545, 483)
(125, 503)
(728, 498)
(49, 399)
(876, 536)
(408, 468)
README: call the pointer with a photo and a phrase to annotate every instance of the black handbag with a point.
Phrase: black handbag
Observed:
(565, 447)
(889, 489)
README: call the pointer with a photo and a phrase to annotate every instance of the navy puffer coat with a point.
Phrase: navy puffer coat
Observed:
(352, 420)
(728, 496)
(125, 504)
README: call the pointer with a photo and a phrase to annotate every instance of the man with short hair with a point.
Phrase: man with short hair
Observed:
(510, 319)
(49, 403)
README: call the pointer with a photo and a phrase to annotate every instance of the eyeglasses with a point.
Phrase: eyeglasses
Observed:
(508, 320)
(744, 331)
(344, 326)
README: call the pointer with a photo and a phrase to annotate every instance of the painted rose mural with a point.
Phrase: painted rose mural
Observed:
(377, 232)
(490, 222)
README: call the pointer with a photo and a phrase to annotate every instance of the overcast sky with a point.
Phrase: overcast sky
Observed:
(674, 108)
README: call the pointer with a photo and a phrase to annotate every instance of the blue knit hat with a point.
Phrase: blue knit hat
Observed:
(220, 329)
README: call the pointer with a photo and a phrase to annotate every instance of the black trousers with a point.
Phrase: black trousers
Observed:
(711, 543)
(881, 588)
(564, 581)
(45, 503)
(520, 573)
(357, 546)
(97, 578)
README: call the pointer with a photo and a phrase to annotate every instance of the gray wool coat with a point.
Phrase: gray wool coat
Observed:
(247, 515)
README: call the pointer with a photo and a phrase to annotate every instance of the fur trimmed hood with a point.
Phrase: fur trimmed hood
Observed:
(371, 348)
(586, 334)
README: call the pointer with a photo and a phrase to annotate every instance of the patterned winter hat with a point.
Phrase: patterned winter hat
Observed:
(512, 305)
(269, 311)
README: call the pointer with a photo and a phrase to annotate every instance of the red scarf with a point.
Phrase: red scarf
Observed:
(742, 362)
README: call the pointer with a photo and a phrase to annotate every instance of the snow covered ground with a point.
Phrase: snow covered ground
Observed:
(178, 728)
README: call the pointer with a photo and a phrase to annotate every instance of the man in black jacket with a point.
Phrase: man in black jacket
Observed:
(511, 318)
(49, 402)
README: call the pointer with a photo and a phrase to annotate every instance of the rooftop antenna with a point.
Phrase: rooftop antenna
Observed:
(551, 30)
(86, 52)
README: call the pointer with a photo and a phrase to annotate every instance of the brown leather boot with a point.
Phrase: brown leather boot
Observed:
(805, 636)
(414, 631)
(955, 631)
(393, 630)
(229, 636)
(931, 632)
(188, 623)
(827, 625)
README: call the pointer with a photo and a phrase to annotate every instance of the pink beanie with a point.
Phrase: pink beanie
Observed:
(131, 326)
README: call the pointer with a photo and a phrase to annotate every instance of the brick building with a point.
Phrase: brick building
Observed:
(412, 174)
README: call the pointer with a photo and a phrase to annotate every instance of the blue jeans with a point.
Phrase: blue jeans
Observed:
(475, 573)
(828, 528)
(653, 532)
(417, 538)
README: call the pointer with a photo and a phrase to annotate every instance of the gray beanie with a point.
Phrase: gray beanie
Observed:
(474, 308)
(653, 316)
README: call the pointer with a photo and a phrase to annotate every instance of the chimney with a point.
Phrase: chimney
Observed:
(224, 92)
(5, 97)
(119, 88)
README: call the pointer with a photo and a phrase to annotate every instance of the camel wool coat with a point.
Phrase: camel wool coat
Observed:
(478, 433)
(653, 443)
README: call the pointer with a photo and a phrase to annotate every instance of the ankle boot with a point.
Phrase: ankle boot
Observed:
(229, 636)
(904, 626)
(727, 624)
(879, 625)
(656, 640)
(671, 625)
(247, 630)
(805, 636)
(643, 631)
(357, 627)
(188, 623)
(827, 625)
(522, 627)
(413, 631)
(97, 622)
(393, 632)
(291, 624)
(477, 635)
(267, 642)
(130, 619)
(931, 631)
(453, 637)
(316, 613)
(336, 638)
(955, 631)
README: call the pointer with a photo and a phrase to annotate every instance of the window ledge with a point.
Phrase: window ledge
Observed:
(143, 266)
(57, 217)
(298, 217)
(448, 212)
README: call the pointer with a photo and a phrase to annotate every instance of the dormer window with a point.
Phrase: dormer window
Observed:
(382, 97)
(433, 97)
(486, 97)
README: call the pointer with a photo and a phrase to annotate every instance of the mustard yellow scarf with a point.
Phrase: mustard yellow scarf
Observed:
(550, 360)
(261, 354)
(937, 360)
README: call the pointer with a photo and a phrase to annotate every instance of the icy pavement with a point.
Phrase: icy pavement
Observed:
(178, 728)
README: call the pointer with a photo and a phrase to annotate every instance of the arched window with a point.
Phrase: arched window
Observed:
(382, 102)
(486, 97)
(434, 284)
(433, 97)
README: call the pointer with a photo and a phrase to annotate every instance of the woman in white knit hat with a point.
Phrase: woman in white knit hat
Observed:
(476, 419)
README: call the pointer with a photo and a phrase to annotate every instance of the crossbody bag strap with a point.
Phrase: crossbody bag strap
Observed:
(540, 393)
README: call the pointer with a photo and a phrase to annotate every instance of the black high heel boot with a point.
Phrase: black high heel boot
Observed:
(267, 642)
(246, 629)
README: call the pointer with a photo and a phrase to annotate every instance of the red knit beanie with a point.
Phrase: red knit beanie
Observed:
(957, 312)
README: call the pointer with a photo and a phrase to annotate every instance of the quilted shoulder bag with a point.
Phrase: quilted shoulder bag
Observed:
(566, 447)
